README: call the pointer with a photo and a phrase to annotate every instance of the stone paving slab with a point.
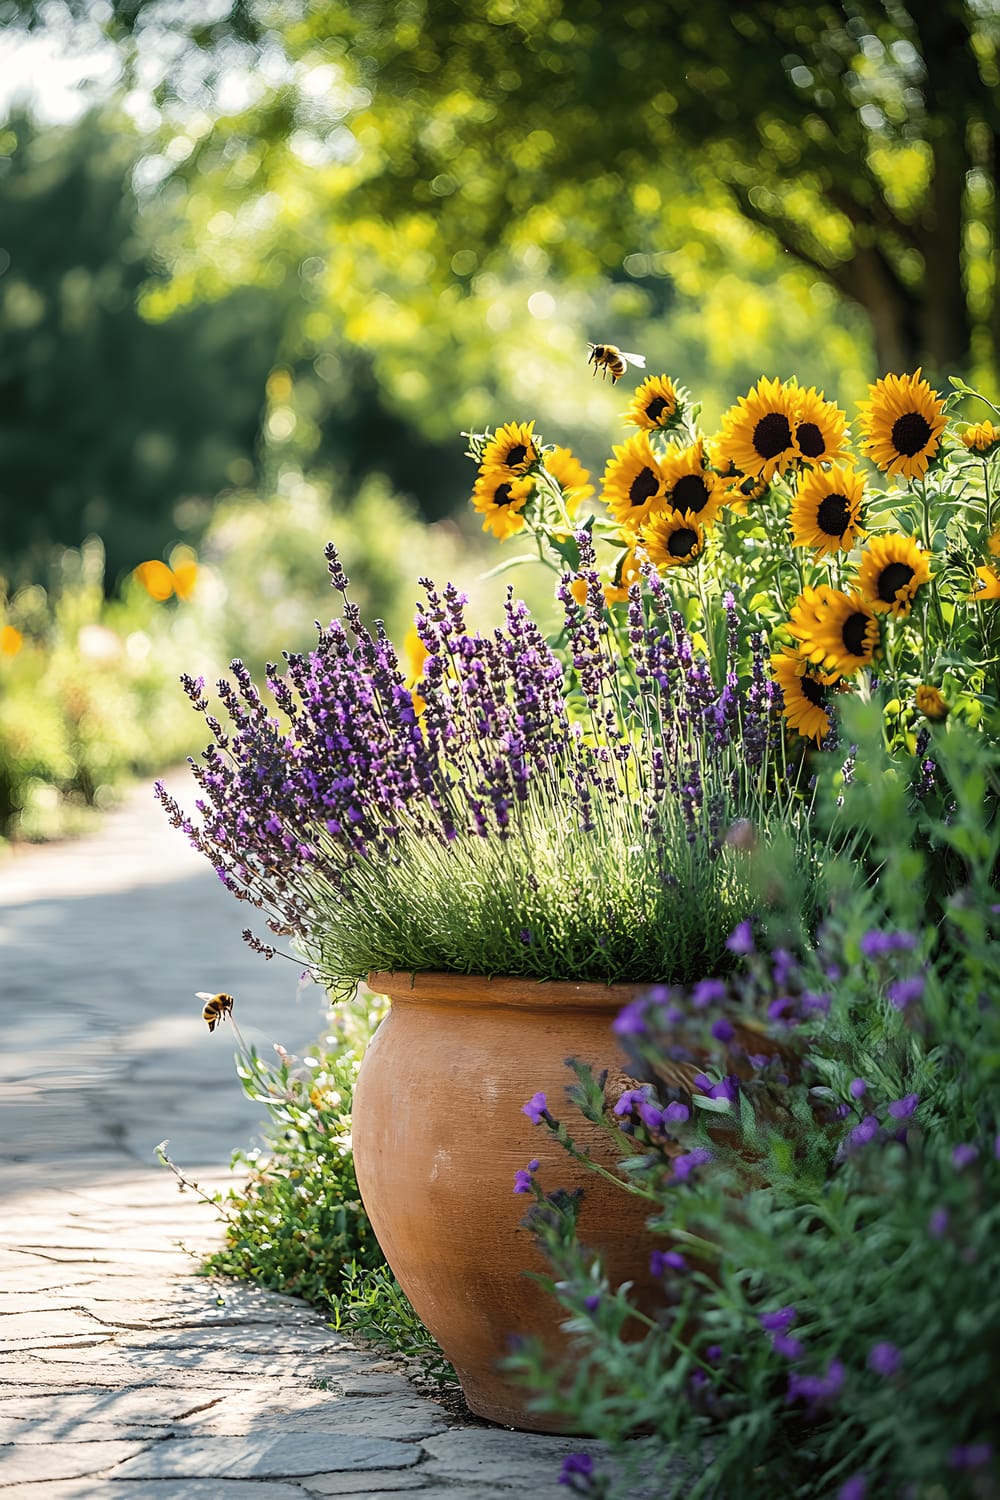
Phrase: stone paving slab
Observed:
(125, 1375)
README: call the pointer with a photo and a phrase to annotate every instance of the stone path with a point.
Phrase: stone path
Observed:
(123, 1374)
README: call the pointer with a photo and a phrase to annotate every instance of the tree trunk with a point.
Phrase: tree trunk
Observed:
(893, 311)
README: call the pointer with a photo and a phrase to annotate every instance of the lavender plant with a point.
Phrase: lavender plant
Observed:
(515, 811)
(827, 1189)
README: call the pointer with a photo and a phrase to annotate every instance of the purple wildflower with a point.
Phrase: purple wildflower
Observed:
(857, 1088)
(963, 1156)
(631, 1019)
(723, 1030)
(535, 1109)
(902, 1109)
(937, 1225)
(970, 1455)
(903, 992)
(676, 1114)
(786, 1346)
(713, 1353)
(778, 1322)
(816, 1388)
(661, 1261)
(592, 1302)
(876, 944)
(576, 1466)
(884, 1359)
(708, 992)
(630, 1100)
(523, 1181)
(686, 1163)
(740, 940)
(855, 1488)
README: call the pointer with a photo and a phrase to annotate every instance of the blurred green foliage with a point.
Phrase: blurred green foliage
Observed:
(106, 419)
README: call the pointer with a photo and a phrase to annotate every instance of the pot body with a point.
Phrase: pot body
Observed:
(438, 1135)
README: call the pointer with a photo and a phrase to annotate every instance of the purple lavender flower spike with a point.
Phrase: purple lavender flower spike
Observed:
(963, 1156)
(535, 1109)
(740, 940)
(902, 1109)
(884, 1359)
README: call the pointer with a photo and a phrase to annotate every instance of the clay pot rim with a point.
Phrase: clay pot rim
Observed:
(517, 991)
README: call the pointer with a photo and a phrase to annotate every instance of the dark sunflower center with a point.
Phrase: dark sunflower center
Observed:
(833, 515)
(501, 495)
(852, 633)
(814, 691)
(772, 435)
(892, 579)
(910, 433)
(516, 455)
(656, 408)
(691, 493)
(682, 541)
(643, 487)
(810, 439)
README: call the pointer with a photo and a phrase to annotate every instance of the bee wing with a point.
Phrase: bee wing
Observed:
(639, 360)
(203, 995)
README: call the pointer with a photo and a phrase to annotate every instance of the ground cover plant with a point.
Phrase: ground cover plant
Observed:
(830, 1317)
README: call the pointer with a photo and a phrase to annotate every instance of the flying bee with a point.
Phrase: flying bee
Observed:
(217, 1008)
(611, 360)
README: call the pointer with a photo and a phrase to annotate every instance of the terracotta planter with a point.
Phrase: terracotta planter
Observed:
(438, 1136)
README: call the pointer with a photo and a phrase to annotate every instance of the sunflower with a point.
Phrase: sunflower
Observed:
(672, 539)
(834, 630)
(742, 494)
(499, 497)
(820, 428)
(902, 422)
(989, 584)
(626, 573)
(758, 433)
(806, 694)
(982, 438)
(930, 703)
(416, 654)
(892, 569)
(633, 484)
(688, 486)
(571, 477)
(657, 405)
(512, 448)
(826, 513)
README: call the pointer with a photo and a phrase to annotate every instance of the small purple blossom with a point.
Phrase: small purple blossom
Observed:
(630, 1100)
(855, 1488)
(523, 1181)
(631, 1020)
(535, 1109)
(902, 1109)
(779, 1321)
(963, 1156)
(740, 940)
(876, 944)
(592, 1302)
(786, 1346)
(576, 1466)
(884, 1359)
(817, 1388)
(686, 1163)
(937, 1224)
(857, 1088)
(708, 992)
(661, 1261)
(903, 992)
(970, 1455)
(676, 1113)
(713, 1353)
(723, 1030)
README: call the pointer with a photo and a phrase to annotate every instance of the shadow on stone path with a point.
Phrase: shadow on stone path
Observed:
(122, 1373)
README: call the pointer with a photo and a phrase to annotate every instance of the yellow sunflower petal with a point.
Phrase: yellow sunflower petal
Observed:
(758, 434)
(835, 630)
(805, 695)
(689, 486)
(500, 497)
(672, 539)
(902, 422)
(826, 512)
(656, 406)
(632, 487)
(892, 569)
(513, 448)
